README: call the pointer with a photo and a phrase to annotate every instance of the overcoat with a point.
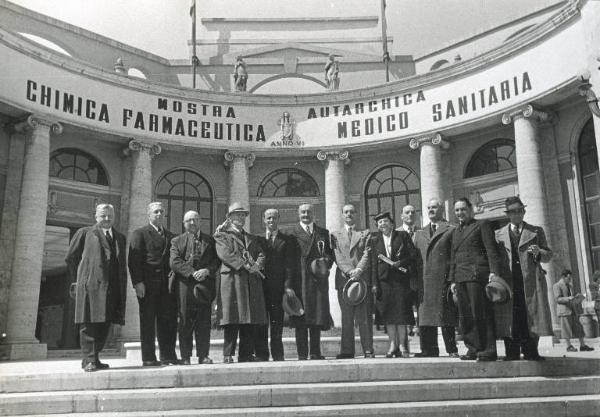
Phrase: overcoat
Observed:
(312, 290)
(539, 319)
(240, 297)
(433, 269)
(90, 259)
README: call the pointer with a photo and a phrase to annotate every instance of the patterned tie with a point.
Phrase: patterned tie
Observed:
(350, 233)
(308, 230)
(433, 229)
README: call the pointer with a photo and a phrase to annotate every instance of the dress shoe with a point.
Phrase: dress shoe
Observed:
(510, 358)
(261, 359)
(404, 355)
(151, 363)
(168, 362)
(426, 355)
(278, 358)
(248, 359)
(571, 348)
(454, 355)
(344, 356)
(389, 355)
(396, 353)
(90, 367)
(302, 358)
(585, 348)
(369, 355)
(101, 365)
(205, 361)
(185, 361)
(315, 357)
(486, 358)
(227, 359)
(536, 358)
(468, 357)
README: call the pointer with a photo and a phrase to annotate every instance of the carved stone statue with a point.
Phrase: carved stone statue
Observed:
(240, 75)
(332, 76)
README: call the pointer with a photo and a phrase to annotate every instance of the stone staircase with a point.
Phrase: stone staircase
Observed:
(359, 387)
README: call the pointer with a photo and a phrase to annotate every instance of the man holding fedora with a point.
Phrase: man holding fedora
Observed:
(474, 262)
(433, 244)
(194, 262)
(148, 261)
(353, 283)
(522, 319)
(313, 258)
(240, 297)
(279, 266)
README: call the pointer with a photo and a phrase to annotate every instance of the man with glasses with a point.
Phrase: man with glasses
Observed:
(524, 318)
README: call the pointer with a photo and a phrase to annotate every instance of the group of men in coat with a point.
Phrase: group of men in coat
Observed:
(454, 274)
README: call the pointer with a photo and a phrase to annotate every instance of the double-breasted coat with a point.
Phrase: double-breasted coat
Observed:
(539, 319)
(240, 296)
(433, 268)
(101, 276)
(395, 295)
(312, 290)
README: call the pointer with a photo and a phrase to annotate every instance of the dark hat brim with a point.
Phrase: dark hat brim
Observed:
(349, 296)
(498, 291)
(292, 305)
(202, 294)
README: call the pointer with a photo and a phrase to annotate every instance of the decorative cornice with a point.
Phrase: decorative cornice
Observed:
(528, 112)
(137, 145)
(433, 139)
(230, 156)
(341, 155)
(34, 121)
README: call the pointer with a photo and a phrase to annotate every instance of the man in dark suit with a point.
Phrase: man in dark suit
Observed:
(352, 259)
(194, 262)
(96, 257)
(474, 262)
(433, 243)
(279, 266)
(313, 258)
(148, 262)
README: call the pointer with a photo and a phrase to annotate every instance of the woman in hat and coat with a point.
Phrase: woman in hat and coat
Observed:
(393, 263)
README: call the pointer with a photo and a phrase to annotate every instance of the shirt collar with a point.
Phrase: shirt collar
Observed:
(353, 227)
(109, 230)
(273, 234)
(311, 225)
(155, 227)
(408, 228)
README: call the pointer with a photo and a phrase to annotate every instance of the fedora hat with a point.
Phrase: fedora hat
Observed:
(354, 291)
(320, 267)
(513, 203)
(236, 208)
(383, 215)
(498, 291)
(292, 305)
(202, 294)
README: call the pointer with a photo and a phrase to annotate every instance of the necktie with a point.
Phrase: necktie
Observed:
(109, 238)
(411, 233)
(568, 290)
(308, 230)
(350, 233)
(433, 229)
(160, 231)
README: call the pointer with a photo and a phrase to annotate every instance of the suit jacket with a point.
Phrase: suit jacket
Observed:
(97, 268)
(351, 254)
(566, 307)
(433, 269)
(279, 266)
(403, 250)
(473, 253)
(240, 297)
(149, 252)
(184, 263)
(534, 280)
(312, 290)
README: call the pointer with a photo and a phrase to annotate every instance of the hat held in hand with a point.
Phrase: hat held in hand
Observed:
(292, 305)
(354, 291)
(320, 267)
(497, 290)
(202, 294)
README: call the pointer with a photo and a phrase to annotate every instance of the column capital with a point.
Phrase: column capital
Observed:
(230, 156)
(136, 145)
(341, 155)
(527, 112)
(432, 139)
(34, 121)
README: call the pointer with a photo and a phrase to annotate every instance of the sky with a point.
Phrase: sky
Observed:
(163, 27)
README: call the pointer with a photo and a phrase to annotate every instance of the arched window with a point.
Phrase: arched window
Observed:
(389, 189)
(590, 183)
(182, 190)
(288, 182)
(495, 156)
(73, 164)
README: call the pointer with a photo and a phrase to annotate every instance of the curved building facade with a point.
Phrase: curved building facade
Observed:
(520, 118)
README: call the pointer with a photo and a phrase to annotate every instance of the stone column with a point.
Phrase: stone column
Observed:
(140, 195)
(335, 189)
(239, 164)
(431, 169)
(532, 187)
(29, 242)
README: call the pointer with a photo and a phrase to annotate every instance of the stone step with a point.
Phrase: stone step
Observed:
(563, 406)
(292, 372)
(293, 395)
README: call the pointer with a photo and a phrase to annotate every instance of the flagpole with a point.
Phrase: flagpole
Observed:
(194, 57)
(386, 54)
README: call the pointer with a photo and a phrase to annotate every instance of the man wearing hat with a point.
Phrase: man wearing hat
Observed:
(474, 262)
(524, 318)
(148, 261)
(353, 282)
(433, 244)
(240, 297)
(194, 262)
(313, 258)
